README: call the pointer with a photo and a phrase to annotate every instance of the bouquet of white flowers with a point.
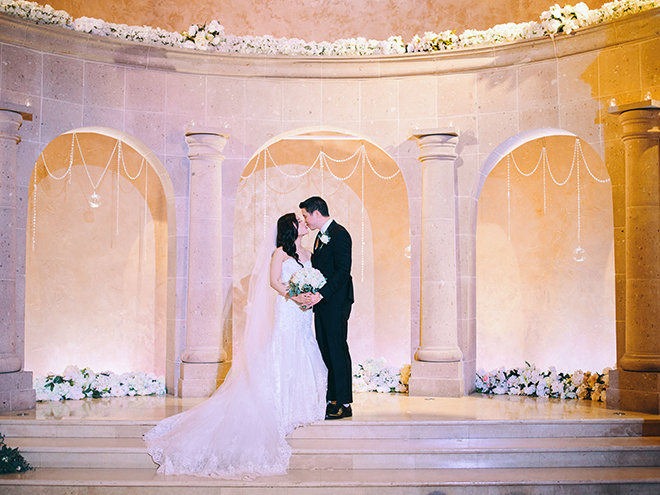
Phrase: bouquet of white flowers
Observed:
(306, 280)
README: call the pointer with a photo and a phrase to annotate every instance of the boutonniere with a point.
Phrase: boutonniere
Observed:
(324, 238)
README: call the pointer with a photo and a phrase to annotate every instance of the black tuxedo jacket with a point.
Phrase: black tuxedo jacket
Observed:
(334, 261)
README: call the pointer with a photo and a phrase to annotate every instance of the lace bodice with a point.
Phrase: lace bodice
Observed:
(291, 266)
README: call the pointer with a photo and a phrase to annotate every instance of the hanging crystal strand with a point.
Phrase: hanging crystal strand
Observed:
(579, 254)
(71, 158)
(146, 212)
(34, 207)
(362, 228)
(508, 195)
(254, 216)
(94, 199)
(348, 203)
(545, 164)
(119, 155)
(322, 182)
(584, 160)
(265, 194)
(366, 157)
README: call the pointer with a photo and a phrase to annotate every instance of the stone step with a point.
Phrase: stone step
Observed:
(567, 481)
(474, 453)
(359, 454)
(617, 427)
(74, 428)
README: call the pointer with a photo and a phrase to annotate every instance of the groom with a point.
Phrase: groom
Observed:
(332, 304)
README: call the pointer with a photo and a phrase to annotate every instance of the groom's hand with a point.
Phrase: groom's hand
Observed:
(314, 299)
(302, 299)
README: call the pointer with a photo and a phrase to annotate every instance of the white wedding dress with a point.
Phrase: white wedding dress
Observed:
(277, 383)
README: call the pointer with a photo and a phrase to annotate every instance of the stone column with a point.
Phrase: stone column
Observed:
(636, 384)
(204, 360)
(16, 391)
(438, 369)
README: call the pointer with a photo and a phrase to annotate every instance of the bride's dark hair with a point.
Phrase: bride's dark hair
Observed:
(287, 233)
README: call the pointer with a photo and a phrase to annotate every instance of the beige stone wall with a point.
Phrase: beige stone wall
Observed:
(490, 94)
(315, 21)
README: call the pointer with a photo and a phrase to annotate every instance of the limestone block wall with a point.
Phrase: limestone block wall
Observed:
(488, 94)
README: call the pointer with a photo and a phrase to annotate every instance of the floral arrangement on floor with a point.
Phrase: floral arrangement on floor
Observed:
(11, 460)
(374, 376)
(75, 384)
(532, 382)
(212, 37)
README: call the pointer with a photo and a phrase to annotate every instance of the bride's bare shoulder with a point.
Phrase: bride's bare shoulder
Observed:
(279, 254)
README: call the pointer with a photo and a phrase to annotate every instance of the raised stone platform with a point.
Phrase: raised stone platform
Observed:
(393, 444)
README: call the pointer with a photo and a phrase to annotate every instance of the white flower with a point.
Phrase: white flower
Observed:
(305, 280)
(215, 27)
(530, 390)
(71, 373)
(74, 393)
(577, 378)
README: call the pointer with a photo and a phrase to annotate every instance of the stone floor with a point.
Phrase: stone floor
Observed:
(393, 445)
(367, 407)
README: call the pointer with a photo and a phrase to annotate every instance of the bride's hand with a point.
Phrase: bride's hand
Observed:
(302, 299)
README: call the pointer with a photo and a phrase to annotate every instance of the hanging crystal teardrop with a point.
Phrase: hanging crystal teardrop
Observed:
(94, 200)
(579, 255)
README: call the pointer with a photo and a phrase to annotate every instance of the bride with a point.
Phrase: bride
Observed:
(277, 381)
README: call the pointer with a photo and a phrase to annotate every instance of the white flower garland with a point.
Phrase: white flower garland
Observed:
(212, 37)
(75, 384)
(532, 382)
(374, 376)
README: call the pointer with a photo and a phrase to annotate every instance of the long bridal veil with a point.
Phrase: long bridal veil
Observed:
(236, 432)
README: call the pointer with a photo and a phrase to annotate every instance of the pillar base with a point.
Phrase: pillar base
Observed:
(631, 361)
(203, 355)
(436, 379)
(634, 391)
(201, 379)
(17, 392)
(10, 363)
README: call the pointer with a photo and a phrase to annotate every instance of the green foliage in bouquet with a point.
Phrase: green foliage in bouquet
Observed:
(11, 461)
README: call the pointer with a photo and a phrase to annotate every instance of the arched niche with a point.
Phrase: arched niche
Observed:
(545, 267)
(99, 288)
(379, 227)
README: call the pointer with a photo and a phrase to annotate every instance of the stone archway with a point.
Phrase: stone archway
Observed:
(380, 322)
(119, 261)
(544, 281)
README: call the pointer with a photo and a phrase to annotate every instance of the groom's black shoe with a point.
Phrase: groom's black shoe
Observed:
(340, 412)
(331, 408)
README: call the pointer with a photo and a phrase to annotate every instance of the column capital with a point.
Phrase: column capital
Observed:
(649, 104)
(205, 143)
(10, 122)
(639, 120)
(436, 144)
